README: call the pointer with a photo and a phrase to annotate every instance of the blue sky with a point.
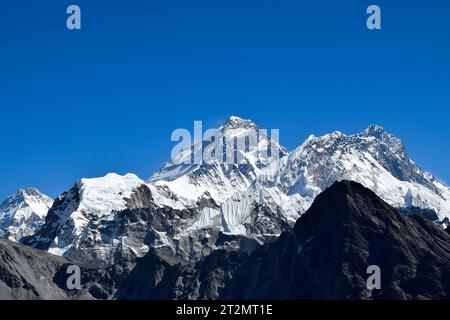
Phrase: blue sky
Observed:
(106, 98)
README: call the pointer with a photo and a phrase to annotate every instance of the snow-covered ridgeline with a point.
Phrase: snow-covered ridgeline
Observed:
(250, 199)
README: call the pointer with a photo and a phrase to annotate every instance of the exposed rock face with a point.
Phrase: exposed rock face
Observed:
(66, 203)
(101, 239)
(326, 256)
(31, 274)
(27, 273)
(99, 221)
(106, 220)
(129, 233)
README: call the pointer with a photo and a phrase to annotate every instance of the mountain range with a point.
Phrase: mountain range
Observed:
(215, 215)
(324, 256)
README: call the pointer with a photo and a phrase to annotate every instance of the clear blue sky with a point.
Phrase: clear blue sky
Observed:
(106, 99)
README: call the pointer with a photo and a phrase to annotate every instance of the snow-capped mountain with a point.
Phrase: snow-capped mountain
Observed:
(183, 209)
(218, 177)
(189, 210)
(105, 220)
(324, 256)
(23, 213)
(221, 192)
(286, 189)
(375, 158)
(76, 224)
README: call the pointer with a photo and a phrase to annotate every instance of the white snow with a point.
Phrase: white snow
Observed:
(23, 213)
(102, 196)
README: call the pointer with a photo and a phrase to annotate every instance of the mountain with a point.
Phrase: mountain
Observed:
(105, 220)
(374, 158)
(282, 190)
(218, 188)
(29, 274)
(220, 177)
(347, 229)
(326, 256)
(23, 213)
(82, 222)
(189, 210)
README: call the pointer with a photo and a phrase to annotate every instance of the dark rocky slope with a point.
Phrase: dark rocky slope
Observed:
(325, 256)
(26, 273)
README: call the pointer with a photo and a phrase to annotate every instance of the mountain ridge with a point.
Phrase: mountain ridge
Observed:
(325, 256)
(315, 260)
(213, 206)
(347, 229)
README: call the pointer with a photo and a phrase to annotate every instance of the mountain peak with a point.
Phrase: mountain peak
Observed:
(345, 200)
(343, 190)
(23, 192)
(22, 213)
(235, 122)
(111, 179)
(105, 195)
(335, 135)
(346, 230)
(393, 142)
(349, 188)
(376, 131)
(374, 128)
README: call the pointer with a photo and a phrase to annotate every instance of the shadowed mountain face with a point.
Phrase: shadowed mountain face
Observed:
(27, 273)
(326, 255)
(31, 274)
